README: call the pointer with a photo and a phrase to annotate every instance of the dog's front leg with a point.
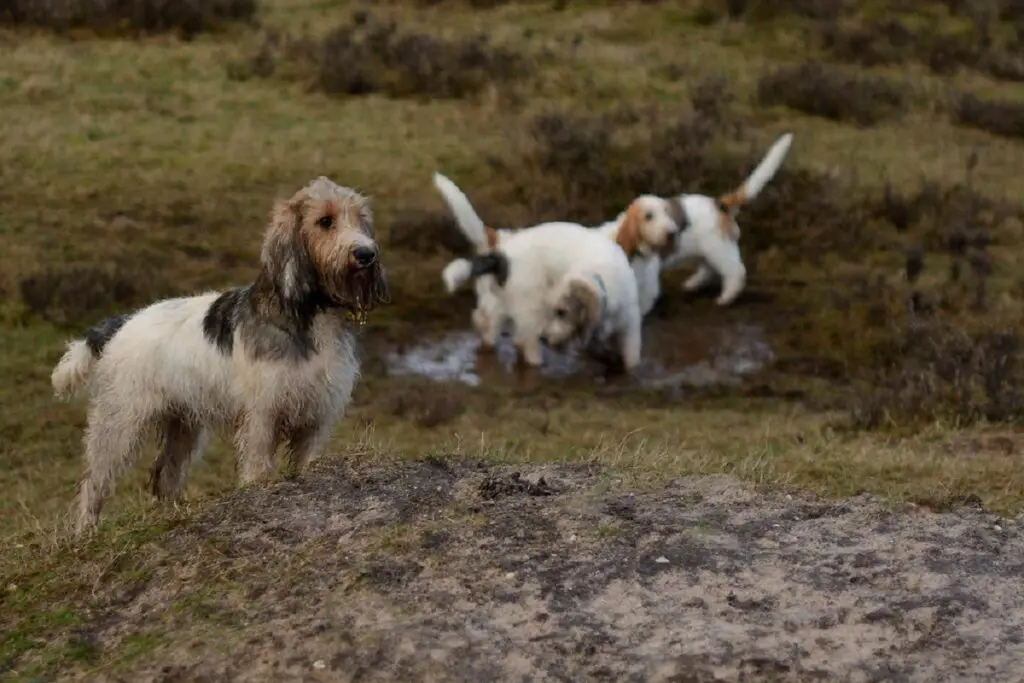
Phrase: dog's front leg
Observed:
(304, 444)
(256, 443)
(532, 351)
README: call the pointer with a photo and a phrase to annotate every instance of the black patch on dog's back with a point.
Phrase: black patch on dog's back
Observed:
(221, 319)
(495, 264)
(102, 332)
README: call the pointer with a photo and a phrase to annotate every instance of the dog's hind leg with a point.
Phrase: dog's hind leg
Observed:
(727, 261)
(304, 444)
(182, 443)
(630, 341)
(256, 443)
(113, 440)
(702, 276)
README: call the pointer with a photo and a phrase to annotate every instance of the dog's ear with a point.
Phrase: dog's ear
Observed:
(585, 305)
(628, 236)
(492, 237)
(283, 257)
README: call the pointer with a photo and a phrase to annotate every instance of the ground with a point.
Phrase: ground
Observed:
(863, 394)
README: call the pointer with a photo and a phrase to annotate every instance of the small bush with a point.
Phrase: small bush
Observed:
(78, 296)
(189, 17)
(368, 56)
(999, 117)
(828, 92)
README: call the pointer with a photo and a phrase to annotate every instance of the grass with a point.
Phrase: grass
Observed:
(133, 169)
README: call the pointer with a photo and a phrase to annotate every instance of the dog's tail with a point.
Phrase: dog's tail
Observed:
(71, 375)
(457, 273)
(480, 236)
(755, 182)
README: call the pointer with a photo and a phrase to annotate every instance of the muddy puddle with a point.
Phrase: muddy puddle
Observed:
(689, 354)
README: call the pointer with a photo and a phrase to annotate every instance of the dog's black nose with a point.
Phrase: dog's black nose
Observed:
(543, 340)
(364, 256)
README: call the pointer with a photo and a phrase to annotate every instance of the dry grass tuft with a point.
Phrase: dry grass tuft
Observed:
(368, 55)
(833, 93)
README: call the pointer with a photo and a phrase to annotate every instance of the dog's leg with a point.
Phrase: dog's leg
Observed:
(630, 340)
(112, 442)
(182, 442)
(304, 444)
(256, 442)
(703, 275)
(727, 261)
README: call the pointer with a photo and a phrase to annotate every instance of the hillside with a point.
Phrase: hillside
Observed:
(872, 367)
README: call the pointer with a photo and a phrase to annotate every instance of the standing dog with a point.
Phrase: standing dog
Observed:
(648, 227)
(271, 360)
(712, 236)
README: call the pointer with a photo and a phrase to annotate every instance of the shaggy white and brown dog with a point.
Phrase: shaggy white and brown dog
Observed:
(709, 235)
(648, 227)
(271, 361)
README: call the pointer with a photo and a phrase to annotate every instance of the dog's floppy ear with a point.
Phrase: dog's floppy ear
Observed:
(586, 305)
(492, 237)
(495, 263)
(283, 256)
(628, 236)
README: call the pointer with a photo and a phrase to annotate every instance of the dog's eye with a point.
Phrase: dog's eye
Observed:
(649, 216)
(325, 222)
(561, 312)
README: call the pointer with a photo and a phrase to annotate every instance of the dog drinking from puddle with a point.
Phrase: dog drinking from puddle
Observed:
(271, 360)
(590, 297)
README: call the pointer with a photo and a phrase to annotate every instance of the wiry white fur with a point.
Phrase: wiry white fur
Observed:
(159, 364)
(704, 239)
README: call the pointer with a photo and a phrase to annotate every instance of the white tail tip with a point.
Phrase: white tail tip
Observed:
(456, 274)
(71, 375)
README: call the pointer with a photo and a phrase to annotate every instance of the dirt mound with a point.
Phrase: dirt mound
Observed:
(444, 571)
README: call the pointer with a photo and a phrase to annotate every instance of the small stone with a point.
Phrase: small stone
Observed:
(662, 560)
(510, 575)
(997, 527)
(319, 664)
(12, 587)
(572, 538)
(776, 526)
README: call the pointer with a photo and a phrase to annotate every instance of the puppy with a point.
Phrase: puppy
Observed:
(271, 361)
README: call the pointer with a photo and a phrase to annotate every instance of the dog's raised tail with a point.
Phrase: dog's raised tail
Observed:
(480, 236)
(755, 182)
(71, 375)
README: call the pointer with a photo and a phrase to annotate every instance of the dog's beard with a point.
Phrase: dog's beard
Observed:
(359, 291)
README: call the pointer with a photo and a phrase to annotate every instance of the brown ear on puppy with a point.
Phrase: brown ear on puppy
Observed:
(586, 304)
(492, 237)
(628, 236)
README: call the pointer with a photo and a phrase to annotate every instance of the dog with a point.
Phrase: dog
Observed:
(271, 360)
(708, 234)
(559, 281)
(648, 227)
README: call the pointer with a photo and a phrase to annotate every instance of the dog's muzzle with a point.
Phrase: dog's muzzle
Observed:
(364, 286)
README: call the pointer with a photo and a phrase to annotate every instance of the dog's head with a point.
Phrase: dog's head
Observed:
(573, 311)
(650, 225)
(320, 250)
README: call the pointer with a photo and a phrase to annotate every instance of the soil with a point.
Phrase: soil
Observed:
(459, 571)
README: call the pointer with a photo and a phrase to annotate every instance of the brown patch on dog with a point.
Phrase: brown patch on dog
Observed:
(584, 305)
(728, 206)
(492, 237)
(628, 236)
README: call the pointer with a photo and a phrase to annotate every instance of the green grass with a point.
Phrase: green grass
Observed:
(143, 160)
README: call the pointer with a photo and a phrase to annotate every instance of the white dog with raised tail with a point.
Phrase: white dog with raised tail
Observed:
(488, 319)
(711, 234)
